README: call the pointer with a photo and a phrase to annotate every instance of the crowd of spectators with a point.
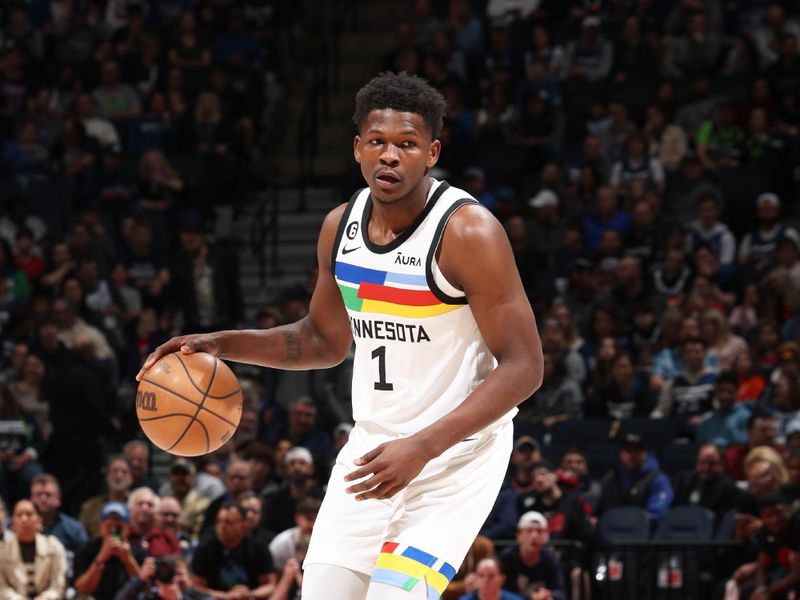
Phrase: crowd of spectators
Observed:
(641, 155)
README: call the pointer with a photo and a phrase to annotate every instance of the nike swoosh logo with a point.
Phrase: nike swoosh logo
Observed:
(349, 250)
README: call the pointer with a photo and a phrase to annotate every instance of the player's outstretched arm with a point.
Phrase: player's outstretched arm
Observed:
(475, 255)
(319, 340)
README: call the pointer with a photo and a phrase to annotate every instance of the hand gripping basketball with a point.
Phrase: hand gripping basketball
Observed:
(189, 404)
(187, 344)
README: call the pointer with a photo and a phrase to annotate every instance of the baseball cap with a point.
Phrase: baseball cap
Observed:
(531, 518)
(117, 509)
(299, 453)
(543, 198)
(181, 464)
(768, 198)
(793, 426)
(526, 440)
(632, 439)
(591, 21)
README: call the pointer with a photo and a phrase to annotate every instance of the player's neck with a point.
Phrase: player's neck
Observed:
(389, 219)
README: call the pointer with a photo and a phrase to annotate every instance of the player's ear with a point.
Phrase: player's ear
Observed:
(433, 153)
(356, 149)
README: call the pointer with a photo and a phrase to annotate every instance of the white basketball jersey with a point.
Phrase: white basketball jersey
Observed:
(418, 350)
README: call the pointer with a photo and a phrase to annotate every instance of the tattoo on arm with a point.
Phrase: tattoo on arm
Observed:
(294, 347)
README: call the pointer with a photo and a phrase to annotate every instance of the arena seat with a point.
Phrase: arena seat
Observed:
(624, 523)
(686, 523)
(580, 432)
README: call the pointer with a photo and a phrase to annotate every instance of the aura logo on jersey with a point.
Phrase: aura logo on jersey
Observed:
(402, 259)
(383, 292)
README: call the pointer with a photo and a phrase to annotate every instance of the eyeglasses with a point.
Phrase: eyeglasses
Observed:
(170, 514)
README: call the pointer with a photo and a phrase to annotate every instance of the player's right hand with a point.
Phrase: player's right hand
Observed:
(186, 344)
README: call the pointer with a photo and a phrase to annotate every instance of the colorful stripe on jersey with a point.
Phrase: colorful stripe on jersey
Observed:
(404, 566)
(397, 294)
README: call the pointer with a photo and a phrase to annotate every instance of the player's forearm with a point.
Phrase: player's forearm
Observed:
(512, 382)
(295, 346)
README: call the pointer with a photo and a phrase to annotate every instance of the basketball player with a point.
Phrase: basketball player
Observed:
(423, 279)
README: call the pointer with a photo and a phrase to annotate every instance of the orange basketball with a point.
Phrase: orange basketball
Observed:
(189, 404)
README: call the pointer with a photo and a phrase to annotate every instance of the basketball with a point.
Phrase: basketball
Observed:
(189, 404)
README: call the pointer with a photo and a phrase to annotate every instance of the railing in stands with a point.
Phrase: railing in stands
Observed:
(649, 569)
(263, 230)
(325, 77)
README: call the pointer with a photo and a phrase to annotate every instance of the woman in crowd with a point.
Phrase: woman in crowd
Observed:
(32, 565)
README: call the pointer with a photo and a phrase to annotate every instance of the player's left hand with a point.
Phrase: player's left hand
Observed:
(392, 465)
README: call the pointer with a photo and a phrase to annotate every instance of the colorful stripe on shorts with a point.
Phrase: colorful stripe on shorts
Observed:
(405, 566)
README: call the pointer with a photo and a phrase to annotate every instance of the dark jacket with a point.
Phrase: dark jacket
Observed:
(228, 304)
(648, 488)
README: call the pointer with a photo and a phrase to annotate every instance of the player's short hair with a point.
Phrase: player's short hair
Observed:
(403, 93)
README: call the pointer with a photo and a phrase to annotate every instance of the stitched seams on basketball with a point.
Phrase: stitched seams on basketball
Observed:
(202, 405)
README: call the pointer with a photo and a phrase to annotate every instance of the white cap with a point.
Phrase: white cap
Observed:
(299, 453)
(531, 518)
(768, 197)
(591, 21)
(543, 198)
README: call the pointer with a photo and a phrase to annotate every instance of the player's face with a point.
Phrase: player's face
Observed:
(395, 151)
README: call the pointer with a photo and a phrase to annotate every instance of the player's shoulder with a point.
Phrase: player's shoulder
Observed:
(471, 222)
(335, 215)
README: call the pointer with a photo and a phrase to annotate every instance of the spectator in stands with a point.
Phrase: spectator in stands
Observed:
(46, 497)
(778, 574)
(791, 489)
(573, 462)
(764, 472)
(637, 165)
(143, 507)
(560, 398)
(149, 584)
(726, 425)
(708, 230)
(464, 580)
(301, 429)
(182, 479)
(168, 519)
(279, 507)
(488, 582)
(97, 127)
(147, 268)
(253, 506)
(698, 52)
(636, 481)
(720, 340)
(784, 401)
(105, 564)
(238, 480)
(21, 442)
(205, 281)
(32, 565)
(230, 561)
(758, 248)
(138, 454)
(284, 545)
(688, 395)
(706, 485)
(532, 570)
(760, 432)
(118, 484)
(750, 382)
(115, 100)
(566, 516)
(626, 394)
(606, 215)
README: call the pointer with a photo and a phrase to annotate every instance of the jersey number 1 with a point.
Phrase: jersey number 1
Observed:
(381, 384)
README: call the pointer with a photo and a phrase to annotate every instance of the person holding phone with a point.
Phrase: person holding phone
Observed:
(163, 578)
(105, 564)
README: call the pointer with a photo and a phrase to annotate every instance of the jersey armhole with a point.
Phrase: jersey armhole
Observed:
(451, 294)
(340, 229)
